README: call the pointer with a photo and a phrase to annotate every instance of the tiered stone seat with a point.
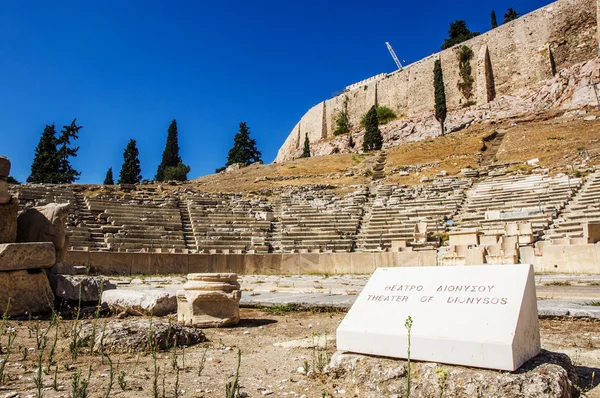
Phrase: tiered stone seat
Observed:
(397, 209)
(585, 207)
(320, 222)
(230, 223)
(536, 199)
(135, 224)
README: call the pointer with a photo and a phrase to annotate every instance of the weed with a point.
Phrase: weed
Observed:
(282, 308)
(55, 382)
(559, 283)
(442, 379)
(594, 303)
(408, 325)
(320, 356)
(232, 389)
(111, 375)
(76, 330)
(80, 385)
(12, 335)
(121, 378)
(202, 362)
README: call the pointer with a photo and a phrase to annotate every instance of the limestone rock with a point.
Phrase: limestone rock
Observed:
(44, 224)
(4, 194)
(135, 302)
(548, 375)
(68, 287)
(209, 300)
(4, 167)
(131, 335)
(21, 256)
(29, 292)
(8, 221)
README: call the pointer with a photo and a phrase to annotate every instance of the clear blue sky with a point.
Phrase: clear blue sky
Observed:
(125, 69)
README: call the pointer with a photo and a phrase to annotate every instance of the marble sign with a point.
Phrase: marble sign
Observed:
(482, 316)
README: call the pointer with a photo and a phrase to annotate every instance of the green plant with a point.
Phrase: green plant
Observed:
(510, 15)
(442, 380)
(408, 325)
(342, 121)
(594, 303)
(373, 139)
(80, 385)
(76, 330)
(282, 308)
(384, 115)
(559, 283)
(121, 378)
(306, 149)
(464, 55)
(458, 33)
(232, 389)
(320, 355)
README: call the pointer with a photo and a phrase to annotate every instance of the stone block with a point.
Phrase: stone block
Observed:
(363, 263)
(44, 224)
(289, 264)
(209, 300)
(28, 290)
(4, 194)
(468, 237)
(232, 263)
(76, 287)
(262, 264)
(22, 256)
(475, 256)
(8, 221)
(308, 263)
(136, 302)
(341, 263)
(140, 263)
(4, 167)
(79, 258)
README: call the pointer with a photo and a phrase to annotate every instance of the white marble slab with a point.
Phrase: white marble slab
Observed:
(482, 316)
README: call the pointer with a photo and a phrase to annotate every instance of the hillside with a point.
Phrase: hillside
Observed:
(555, 138)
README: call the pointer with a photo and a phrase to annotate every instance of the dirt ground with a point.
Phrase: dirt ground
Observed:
(275, 350)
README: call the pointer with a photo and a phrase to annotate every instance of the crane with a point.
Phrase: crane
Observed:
(396, 60)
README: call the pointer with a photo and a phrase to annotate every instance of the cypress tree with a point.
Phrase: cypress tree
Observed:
(244, 148)
(458, 33)
(170, 157)
(108, 180)
(373, 139)
(306, 150)
(45, 166)
(66, 173)
(494, 20)
(440, 94)
(131, 170)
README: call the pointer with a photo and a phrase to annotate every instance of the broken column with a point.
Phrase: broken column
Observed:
(24, 287)
(209, 300)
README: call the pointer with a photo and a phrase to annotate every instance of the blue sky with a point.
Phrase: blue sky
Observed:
(125, 69)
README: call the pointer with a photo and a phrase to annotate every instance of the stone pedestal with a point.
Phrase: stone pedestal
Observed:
(209, 300)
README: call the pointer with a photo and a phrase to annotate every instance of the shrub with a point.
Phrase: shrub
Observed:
(384, 115)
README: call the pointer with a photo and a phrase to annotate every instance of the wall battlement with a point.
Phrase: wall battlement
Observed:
(511, 60)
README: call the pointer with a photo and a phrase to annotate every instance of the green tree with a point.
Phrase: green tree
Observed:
(342, 121)
(464, 56)
(510, 15)
(440, 94)
(66, 173)
(306, 150)
(373, 139)
(494, 20)
(244, 148)
(131, 170)
(109, 180)
(177, 173)
(44, 168)
(12, 180)
(458, 33)
(170, 157)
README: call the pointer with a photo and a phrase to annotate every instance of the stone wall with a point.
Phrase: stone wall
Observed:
(512, 60)
(260, 264)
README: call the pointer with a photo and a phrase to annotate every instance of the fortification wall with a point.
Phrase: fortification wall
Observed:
(514, 59)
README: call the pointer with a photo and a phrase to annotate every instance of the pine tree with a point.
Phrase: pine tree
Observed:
(510, 15)
(130, 171)
(440, 94)
(458, 33)
(108, 180)
(171, 158)
(66, 173)
(177, 173)
(244, 148)
(494, 20)
(306, 150)
(373, 139)
(44, 168)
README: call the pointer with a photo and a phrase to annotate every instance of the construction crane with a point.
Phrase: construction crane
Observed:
(396, 60)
